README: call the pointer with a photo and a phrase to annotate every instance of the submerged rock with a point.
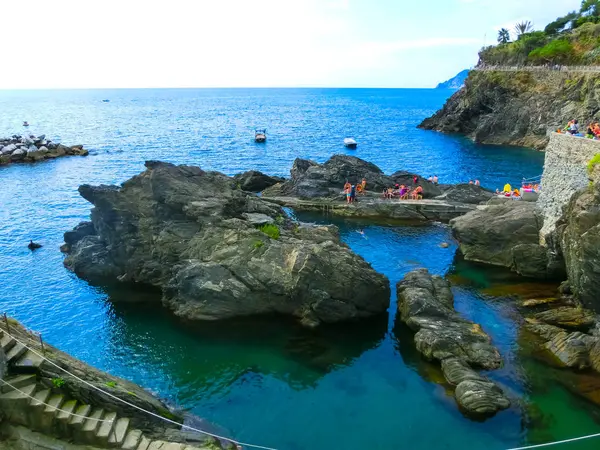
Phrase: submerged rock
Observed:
(426, 305)
(195, 236)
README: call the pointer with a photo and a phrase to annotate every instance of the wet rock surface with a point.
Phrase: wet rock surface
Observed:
(195, 235)
(426, 306)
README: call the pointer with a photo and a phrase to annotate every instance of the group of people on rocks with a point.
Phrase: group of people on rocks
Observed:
(403, 192)
(592, 131)
(476, 182)
(351, 190)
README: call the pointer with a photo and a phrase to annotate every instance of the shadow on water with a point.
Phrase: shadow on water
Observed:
(237, 348)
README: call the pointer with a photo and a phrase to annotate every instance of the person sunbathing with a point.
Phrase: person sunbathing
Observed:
(417, 194)
(404, 191)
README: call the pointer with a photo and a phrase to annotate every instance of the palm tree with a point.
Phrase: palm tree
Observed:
(503, 36)
(522, 28)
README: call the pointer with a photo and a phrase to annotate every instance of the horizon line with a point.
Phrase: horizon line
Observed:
(205, 87)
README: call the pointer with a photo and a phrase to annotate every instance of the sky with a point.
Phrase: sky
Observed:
(258, 43)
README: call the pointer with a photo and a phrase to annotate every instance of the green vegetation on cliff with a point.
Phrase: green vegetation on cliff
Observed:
(571, 39)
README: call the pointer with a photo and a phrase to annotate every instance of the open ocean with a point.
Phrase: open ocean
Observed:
(351, 387)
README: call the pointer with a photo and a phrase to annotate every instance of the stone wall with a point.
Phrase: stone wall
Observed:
(565, 172)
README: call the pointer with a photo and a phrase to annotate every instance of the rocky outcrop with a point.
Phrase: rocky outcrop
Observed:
(309, 179)
(506, 234)
(426, 305)
(255, 181)
(34, 148)
(517, 108)
(193, 234)
(578, 234)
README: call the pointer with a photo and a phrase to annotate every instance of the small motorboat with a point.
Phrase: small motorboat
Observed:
(25, 124)
(350, 143)
(260, 135)
(106, 100)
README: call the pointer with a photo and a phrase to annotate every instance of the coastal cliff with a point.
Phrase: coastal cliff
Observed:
(517, 107)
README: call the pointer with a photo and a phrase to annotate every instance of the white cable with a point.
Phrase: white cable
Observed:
(556, 443)
(216, 436)
(53, 407)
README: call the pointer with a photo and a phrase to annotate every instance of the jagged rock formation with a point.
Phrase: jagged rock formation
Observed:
(506, 234)
(517, 108)
(41, 402)
(426, 305)
(34, 148)
(578, 234)
(193, 234)
(309, 179)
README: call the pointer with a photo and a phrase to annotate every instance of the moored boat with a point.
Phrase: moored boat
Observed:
(260, 135)
(350, 143)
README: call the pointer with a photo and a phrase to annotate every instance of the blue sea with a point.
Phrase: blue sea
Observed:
(263, 381)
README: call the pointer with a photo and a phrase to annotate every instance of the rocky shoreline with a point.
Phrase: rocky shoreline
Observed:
(31, 148)
(516, 108)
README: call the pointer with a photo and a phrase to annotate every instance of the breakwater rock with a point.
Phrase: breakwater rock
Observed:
(426, 305)
(218, 252)
(32, 148)
(517, 108)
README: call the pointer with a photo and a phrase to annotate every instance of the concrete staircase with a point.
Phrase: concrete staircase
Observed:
(46, 410)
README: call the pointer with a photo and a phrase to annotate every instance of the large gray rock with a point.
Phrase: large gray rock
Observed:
(255, 181)
(507, 235)
(425, 304)
(312, 180)
(8, 149)
(578, 232)
(191, 233)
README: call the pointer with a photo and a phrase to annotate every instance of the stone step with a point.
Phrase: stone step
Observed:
(37, 406)
(19, 381)
(67, 409)
(117, 437)
(16, 352)
(29, 362)
(14, 404)
(144, 443)
(81, 413)
(7, 342)
(40, 398)
(105, 428)
(132, 440)
(50, 412)
(91, 425)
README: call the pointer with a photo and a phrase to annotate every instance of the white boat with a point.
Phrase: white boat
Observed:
(350, 143)
(260, 135)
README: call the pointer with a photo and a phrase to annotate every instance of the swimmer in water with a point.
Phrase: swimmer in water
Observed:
(362, 233)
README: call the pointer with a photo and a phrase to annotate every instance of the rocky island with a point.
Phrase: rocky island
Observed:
(30, 148)
(217, 252)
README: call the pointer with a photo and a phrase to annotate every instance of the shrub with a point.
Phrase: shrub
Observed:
(58, 382)
(258, 244)
(593, 162)
(111, 384)
(557, 51)
(270, 230)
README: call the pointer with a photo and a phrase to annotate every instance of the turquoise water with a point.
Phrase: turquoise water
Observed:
(267, 380)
